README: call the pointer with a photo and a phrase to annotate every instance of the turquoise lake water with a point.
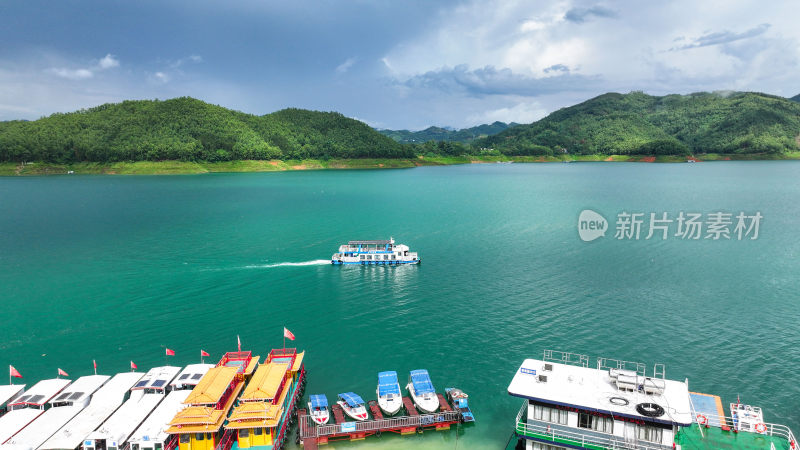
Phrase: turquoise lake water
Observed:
(114, 268)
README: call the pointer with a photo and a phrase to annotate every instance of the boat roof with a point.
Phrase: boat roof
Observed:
(594, 390)
(191, 375)
(298, 361)
(41, 392)
(244, 362)
(211, 387)
(104, 402)
(157, 378)
(9, 391)
(422, 382)
(265, 382)
(44, 426)
(387, 383)
(128, 417)
(80, 390)
(255, 415)
(352, 399)
(155, 426)
(14, 421)
(378, 242)
(319, 401)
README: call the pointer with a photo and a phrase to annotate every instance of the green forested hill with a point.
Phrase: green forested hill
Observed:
(796, 98)
(443, 134)
(188, 129)
(637, 123)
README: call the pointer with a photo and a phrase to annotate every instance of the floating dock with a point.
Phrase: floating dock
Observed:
(312, 435)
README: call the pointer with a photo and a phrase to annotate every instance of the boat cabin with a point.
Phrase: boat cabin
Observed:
(152, 434)
(28, 406)
(157, 380)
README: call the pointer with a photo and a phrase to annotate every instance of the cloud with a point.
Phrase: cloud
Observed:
(194, 59)
(580, 15)
(346, 65)
(724, 37)
(160, 77)
(523, 112)
(107, 62)
(492, 81)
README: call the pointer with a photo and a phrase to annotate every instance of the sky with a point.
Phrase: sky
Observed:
(390, 63)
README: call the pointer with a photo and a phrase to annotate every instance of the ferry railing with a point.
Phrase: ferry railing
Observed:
(770, 429)
(379, 424)
(572, 359)
(545, 433)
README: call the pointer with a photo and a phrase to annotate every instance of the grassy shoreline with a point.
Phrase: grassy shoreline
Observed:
(199, 167)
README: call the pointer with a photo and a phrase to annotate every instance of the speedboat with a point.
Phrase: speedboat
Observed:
(422, 391)
(389, 398)
(318, 409)
(353, 405)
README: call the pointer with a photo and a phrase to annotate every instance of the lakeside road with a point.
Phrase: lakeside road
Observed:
(199, 167)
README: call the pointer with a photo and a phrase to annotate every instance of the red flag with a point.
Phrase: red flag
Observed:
(14, 372)
(170, 352)
(133, 366)
(204, 353)
(238, 343)
(62, 373)
(95, 365)
(288, 334)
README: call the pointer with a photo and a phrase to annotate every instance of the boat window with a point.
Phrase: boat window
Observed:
(362, 256)
(135, 447)
(200, 437)
(369, 257)
(158, 446)
(596, 423)
(385, 257)
(112, 448)
(650, 434)
(551, 415)
(186, 438)
(258, 431)
(244, 433)
(209, 436)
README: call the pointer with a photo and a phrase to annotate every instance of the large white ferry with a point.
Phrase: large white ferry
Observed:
(379, 252)
(574, 401)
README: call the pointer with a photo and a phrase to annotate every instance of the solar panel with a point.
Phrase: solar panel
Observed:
(63, 396)
(141, 383)
(76, 395)
(36, 399)
(197, 376)
(22, 399)
(186, 375)
(159, 383)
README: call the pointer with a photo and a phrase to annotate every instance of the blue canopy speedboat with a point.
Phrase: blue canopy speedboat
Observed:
(459, 400)
(422, 391)
(318, 409)
(353, 405)
(389, 398)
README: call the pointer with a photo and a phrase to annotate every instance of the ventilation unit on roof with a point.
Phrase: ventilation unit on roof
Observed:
(548, 367)
(542, 378)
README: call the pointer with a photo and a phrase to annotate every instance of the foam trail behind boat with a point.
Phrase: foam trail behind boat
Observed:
(316, 262)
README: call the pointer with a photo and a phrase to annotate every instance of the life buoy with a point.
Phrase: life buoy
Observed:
(702, 420)
(793, 445)
(761, 427)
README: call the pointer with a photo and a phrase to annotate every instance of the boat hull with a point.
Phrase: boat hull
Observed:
(320, 418)
(359, 413)
(427, 405)
(374, 263)
(390, 408)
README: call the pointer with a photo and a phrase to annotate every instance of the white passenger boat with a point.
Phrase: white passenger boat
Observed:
(390, 399)
(66, 405)
(318, 409)
(385, 253)
(190, 376)
(102, 405)
(8, 392)
(145, 396)
(25, 408)
(353, 406)
(422, 392)
(152, 434)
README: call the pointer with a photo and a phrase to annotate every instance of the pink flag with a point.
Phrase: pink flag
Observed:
(238, 343)
(288, 334)
(62, 373)
(14, 372)
(204, 353)
(170, 352)
(133, 366)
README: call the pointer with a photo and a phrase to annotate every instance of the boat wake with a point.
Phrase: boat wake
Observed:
(316, 262)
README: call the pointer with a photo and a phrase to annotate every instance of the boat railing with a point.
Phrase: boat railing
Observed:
(569, 358)
(704, 419)
(378, 424)
(543, 432)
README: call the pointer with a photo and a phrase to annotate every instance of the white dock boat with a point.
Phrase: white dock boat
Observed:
(8, 392)
(25, 408)
(318, 409)
(152, 434)
(66, 405)
(102, 405)
(353, 406)
(190, 376)
(390, 399)
(145, 396)
(422, 392)
(380, 252)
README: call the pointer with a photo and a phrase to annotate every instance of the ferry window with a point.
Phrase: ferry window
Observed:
(244, 433)
(596, 423)
(186, 438)
(209, 436)
(540, 446)
(369, 257)
(158, 446)
(551, 415)
(135, 447)
(394, 257)
(362, 256)
(258, 431)
(385, 257)
(650, 434)
(200, 437)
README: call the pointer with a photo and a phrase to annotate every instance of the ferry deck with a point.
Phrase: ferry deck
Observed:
(102, 405)
(261, 418)
(199, 425)
(145, 396)
(25, 408)
(64, 407)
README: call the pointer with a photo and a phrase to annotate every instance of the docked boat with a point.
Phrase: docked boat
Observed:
(571, 400)
(29, 405)
(460, 402)
(385, 253)
(390, 399)
(422, 392)
(8, 393)
(318, 409)
(353, 406)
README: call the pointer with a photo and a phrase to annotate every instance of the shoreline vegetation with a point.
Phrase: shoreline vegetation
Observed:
(202, 167)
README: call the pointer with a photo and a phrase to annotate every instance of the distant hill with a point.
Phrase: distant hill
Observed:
(637, 123)
(189, 129)
(796, 98)
(445, 134)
